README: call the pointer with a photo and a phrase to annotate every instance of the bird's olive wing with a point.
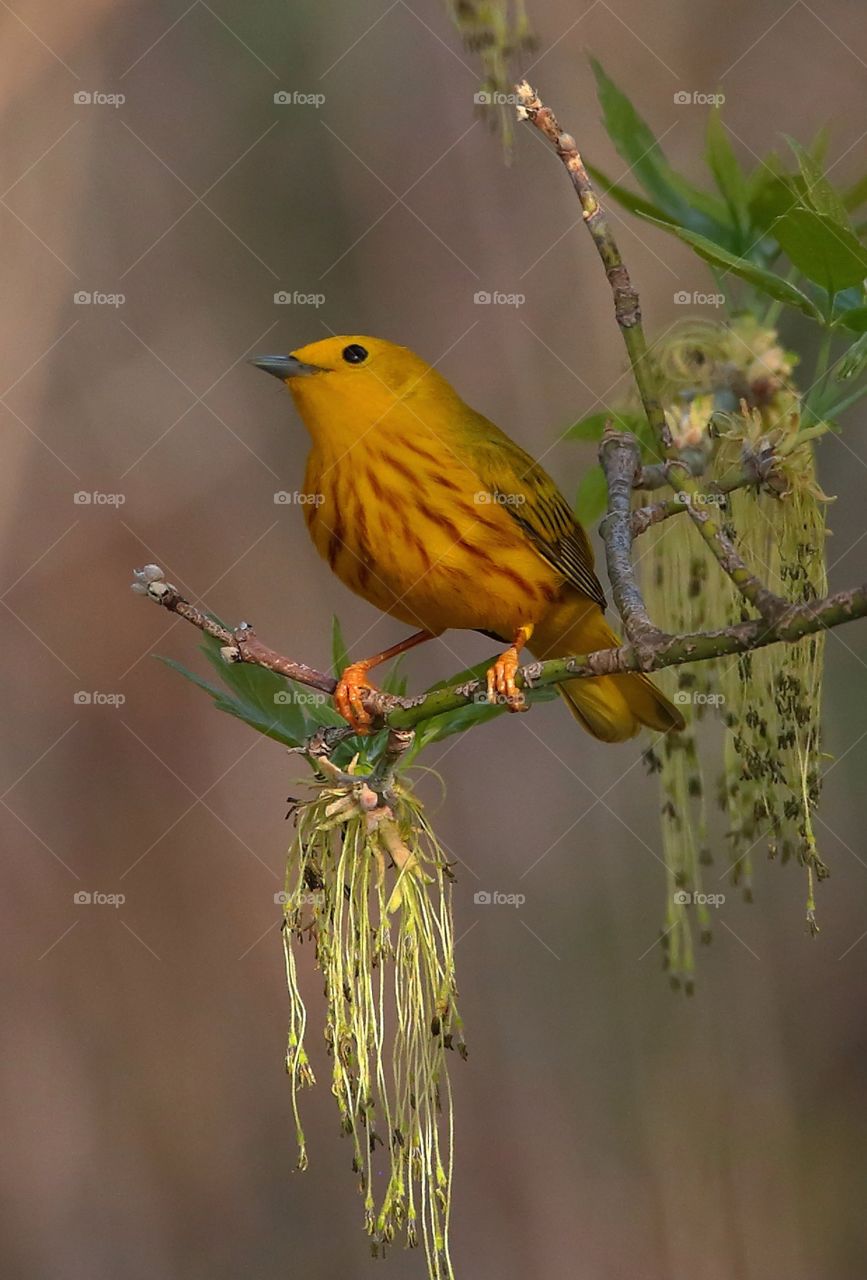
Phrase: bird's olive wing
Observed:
(533, 500)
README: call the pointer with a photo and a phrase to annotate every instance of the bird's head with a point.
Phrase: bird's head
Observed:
(343, 387)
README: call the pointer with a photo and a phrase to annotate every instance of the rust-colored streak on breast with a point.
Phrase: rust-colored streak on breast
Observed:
(412, 447)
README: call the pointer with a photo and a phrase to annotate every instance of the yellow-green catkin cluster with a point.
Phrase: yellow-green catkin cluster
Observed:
(772, 776)
(369, 887)
(498, 32)
(726, 387)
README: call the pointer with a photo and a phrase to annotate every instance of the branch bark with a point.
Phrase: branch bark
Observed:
(619, 456)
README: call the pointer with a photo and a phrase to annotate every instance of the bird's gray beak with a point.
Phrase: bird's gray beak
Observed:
(284, 367)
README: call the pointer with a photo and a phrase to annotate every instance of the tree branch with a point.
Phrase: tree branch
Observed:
(619, 456)
(405, 713)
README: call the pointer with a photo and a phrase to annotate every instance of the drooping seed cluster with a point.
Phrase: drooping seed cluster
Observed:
(728, 394)
(369, 887)
(676, 568)
(774, 695)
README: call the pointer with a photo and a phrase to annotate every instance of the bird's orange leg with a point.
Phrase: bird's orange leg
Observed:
(501, 676)
(348, 694)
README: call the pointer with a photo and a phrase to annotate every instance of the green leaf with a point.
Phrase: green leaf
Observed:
(854, 318)
(339, 652)
(395, 681)
(476, 672)
(827, 253)
(265, 698)
(817, 190)
(592, 498)
(272, 723)
(451, 722)
(726, 169)
(770, 194)
(849, 299)
(638, 147)
(854, 362)
(775, 286)
(591, 427)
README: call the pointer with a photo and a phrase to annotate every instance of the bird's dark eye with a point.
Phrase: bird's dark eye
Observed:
(354, 353)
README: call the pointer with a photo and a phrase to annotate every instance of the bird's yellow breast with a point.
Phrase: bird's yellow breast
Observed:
(406, 524)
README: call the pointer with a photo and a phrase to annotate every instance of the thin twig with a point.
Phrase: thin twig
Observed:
(759, 469)
(719, 544)
(627, 309)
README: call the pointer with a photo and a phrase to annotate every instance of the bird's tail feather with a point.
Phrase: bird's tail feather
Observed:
(612, 708)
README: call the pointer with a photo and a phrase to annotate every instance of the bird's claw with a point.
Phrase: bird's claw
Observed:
(349, 699)
(500, 680)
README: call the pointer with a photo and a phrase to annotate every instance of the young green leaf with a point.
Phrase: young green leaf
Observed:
(339, 652)
(770, 195)
(775, 286)
(592, 498)
(828, 254)
(726, 169)
(638, 148)
(450, 722)
(265, 698)
(817, 190)
(395, 681)
(272, 722)
(854, 362)
(853, 318)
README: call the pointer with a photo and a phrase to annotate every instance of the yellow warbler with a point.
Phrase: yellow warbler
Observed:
(430, 512)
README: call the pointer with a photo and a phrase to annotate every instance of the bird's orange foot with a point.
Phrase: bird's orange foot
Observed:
(348, 696)
(501, 681)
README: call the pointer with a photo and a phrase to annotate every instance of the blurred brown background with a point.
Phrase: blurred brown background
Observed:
(607, 1128)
